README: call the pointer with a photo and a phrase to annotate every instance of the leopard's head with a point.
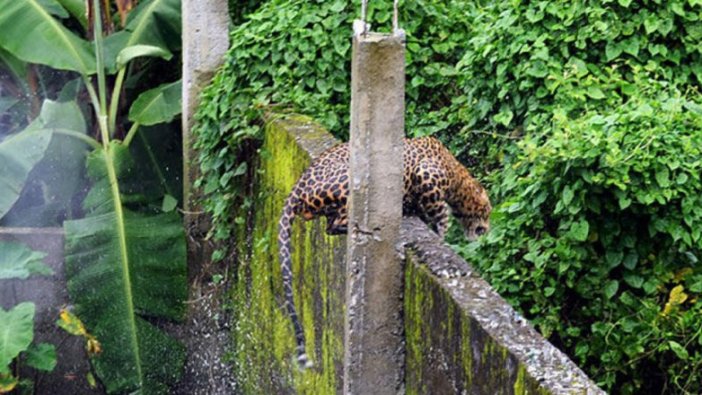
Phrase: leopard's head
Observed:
(474, 216)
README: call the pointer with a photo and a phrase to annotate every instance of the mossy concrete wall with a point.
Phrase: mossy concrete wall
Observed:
(461, 337)
(264, 344)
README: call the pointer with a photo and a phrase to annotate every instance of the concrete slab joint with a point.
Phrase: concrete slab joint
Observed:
(374, 350)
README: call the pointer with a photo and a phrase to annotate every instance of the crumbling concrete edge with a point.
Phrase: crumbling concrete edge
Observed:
(544, 364)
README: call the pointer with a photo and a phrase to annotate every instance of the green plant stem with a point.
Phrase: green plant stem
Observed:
(93, 95)
(131, 133)
(104, 132)
(86, 139)
(114, 101)
(99, 56)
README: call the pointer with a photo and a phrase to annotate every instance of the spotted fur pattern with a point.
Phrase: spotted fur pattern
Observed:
(435, 183)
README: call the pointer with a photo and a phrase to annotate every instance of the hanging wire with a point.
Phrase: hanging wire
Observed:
(395, 17)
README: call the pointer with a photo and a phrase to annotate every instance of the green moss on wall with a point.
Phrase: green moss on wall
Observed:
(264, 344)
(447, 351)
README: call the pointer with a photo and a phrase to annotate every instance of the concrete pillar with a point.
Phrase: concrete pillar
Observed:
(205, 41)
(373, 332)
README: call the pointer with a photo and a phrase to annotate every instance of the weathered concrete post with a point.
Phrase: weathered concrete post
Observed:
(374, 350)
(205, 41)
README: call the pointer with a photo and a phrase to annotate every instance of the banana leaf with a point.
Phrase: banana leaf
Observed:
(154, 23)
(16, 333)
(77, 9)
(30, 32)
(124, 267)
(19, 261)
(157, 105)
(19, 154)
(157, 23)
(58, 175)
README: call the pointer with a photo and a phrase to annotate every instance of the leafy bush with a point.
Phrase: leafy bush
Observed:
(528, 55)
(597, 238)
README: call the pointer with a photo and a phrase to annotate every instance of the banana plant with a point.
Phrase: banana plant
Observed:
(125, 262)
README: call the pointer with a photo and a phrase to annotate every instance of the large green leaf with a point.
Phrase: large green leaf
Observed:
(77, 9)
(123, 266)
(157, 105)
(16, 332)
(30, 32)
(17, 68)
(137, 51)
(42, 356)
(155, 22)
(58, 175)
(56, 165)
(19, 154)
(19, 261)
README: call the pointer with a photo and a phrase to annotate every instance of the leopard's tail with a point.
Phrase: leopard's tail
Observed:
(284, 249)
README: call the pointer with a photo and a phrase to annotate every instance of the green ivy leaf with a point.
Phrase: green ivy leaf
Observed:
(610, 288)
(630, 260)
(663, 177)
(612, 50)
(504, 117)
(595, 92)
(631, 46)
(579, 230)
(567, 195)
(635, 281)
(613, 258)
(679, 350)
(241, 169)
(169, 203)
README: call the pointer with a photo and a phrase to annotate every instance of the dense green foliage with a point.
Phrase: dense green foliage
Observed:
(597, 237)
(590, 134)
(597, 229)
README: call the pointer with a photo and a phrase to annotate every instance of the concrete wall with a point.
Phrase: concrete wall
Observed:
(264, 346)
(461, 336)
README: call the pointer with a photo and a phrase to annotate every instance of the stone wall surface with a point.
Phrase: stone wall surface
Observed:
(461, 337)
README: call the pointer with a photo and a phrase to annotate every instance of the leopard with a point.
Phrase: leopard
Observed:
(435, 184)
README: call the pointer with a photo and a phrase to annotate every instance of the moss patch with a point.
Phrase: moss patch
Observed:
(264, 352)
